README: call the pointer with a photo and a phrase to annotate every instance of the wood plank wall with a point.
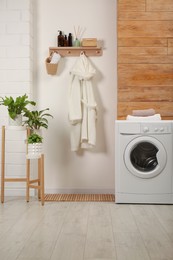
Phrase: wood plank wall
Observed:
(145, 56)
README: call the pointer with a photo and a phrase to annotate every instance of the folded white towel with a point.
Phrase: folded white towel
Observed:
(55, 58)
(144, 112)
(155, 117)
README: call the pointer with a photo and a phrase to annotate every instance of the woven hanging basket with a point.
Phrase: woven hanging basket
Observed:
(51, 67)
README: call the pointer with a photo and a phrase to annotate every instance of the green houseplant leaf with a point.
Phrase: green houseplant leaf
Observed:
(37, 119)
(34, 138)
(16, 106)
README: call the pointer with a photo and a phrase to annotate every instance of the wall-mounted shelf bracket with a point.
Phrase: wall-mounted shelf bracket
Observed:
(76, 51)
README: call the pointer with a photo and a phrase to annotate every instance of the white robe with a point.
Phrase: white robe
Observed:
(82, 105)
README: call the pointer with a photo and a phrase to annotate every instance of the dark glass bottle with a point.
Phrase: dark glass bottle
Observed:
(65, 41)
(70, 40)
(60, 39)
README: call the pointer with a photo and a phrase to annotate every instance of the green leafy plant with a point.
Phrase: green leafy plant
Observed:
(37, 119)
(35, 138)
(16, 106)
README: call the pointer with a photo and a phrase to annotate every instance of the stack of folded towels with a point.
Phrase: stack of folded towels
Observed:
(146, 115)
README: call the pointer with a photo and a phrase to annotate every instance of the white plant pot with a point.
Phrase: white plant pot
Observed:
(34, 150)
(16, 122)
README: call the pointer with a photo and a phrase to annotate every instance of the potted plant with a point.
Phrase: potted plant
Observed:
(34, 138)
(16, 108)
(34, 145)
(37, 119)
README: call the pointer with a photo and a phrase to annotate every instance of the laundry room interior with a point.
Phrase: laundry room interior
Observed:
(132, 73)
(84, 171)
(86, 164)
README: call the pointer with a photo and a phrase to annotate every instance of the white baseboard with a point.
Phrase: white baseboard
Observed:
(79, 191)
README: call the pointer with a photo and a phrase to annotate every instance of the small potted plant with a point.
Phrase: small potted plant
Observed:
(34, 145)
(16, 108)
(37, 119)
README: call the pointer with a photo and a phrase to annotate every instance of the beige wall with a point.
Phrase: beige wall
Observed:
(67, 171)
(145, 56)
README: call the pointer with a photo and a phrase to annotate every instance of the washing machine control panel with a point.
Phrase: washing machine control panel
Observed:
(156, 128)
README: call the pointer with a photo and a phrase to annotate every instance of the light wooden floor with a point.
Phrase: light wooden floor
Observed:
(84, 231)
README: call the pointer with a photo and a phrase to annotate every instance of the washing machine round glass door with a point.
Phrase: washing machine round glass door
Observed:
(145, 157)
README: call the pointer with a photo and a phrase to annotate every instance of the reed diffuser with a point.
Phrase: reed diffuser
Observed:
(78, 34)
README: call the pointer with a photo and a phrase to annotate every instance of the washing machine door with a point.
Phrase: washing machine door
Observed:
(145, 157)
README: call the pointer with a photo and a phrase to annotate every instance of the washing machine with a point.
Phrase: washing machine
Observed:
(144, 162)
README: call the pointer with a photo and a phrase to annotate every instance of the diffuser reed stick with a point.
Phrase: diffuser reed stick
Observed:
(78, 32)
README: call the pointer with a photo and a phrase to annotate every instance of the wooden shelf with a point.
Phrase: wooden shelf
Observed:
(76, 51)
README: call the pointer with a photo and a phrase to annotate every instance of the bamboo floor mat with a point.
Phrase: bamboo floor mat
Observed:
(80, 197)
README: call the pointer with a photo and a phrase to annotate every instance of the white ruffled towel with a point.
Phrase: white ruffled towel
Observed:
(155, 117)
(55, 58)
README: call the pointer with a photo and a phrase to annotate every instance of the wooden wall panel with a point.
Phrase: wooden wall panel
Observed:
(159, 5)
(170, 46)
(143, 50)
(131, 5)
(146, 59)
(145, 74)
(170, 42)
(145, 56)
(151, 16)
(145, 28)
(144, 42)
(139, 94)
